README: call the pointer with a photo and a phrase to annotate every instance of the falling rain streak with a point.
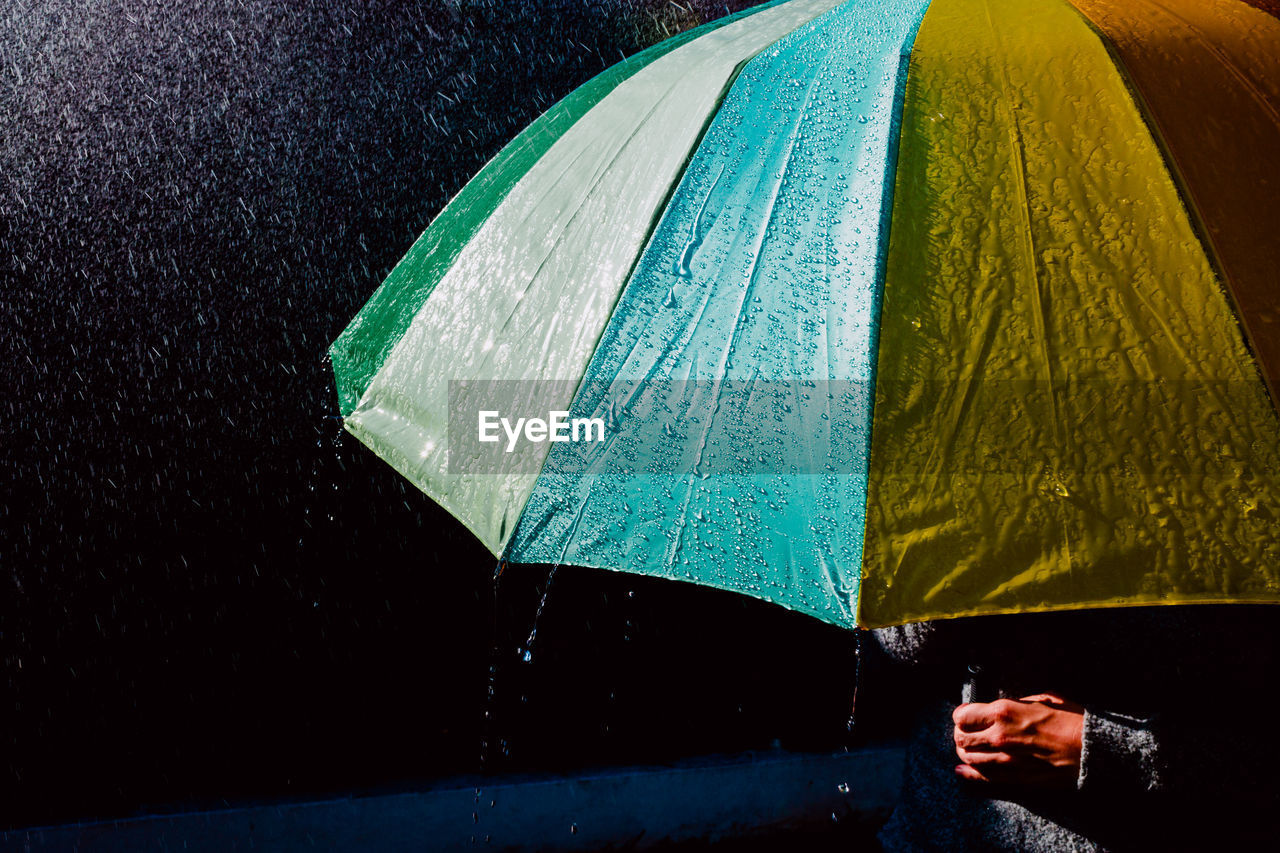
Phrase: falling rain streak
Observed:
(209, 593)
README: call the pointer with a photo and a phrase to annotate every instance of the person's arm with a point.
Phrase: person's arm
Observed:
(1201, 737)
(1120, 752)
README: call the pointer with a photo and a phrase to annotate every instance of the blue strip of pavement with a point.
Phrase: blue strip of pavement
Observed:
(632, 807)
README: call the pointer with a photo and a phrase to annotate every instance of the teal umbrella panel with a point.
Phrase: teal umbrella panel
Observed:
(756, 302)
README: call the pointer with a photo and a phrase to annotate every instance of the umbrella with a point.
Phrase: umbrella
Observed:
(883, 311)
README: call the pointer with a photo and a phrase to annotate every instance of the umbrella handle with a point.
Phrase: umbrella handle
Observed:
(979, 685)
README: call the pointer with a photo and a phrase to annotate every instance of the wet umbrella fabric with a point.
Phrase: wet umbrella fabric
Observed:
(1066, 410)
(1068, 415)
(760, 277)
(525, 291)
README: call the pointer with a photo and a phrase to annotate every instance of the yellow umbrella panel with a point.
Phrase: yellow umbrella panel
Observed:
(1066, 412)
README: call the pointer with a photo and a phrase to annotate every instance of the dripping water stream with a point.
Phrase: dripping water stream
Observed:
(489, 729)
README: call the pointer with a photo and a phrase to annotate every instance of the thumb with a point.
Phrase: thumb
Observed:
(1053, 700)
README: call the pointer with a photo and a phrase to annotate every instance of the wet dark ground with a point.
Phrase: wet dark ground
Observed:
(208, 595)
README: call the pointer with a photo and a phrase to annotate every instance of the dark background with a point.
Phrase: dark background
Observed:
(208, 595)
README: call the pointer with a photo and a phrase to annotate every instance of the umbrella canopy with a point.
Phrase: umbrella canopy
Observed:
(885, 310)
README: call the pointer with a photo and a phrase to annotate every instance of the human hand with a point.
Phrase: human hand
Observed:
(1035, 740)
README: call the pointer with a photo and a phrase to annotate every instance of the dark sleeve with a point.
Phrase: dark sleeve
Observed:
(907, 644)
(1120, 752)
(1206, 730)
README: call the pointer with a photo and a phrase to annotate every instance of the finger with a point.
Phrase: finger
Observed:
(973, 716)
(1013, 775)
(995, 738)
(976, 716)
(1055, 700)
(986, 761)
(964, 771)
